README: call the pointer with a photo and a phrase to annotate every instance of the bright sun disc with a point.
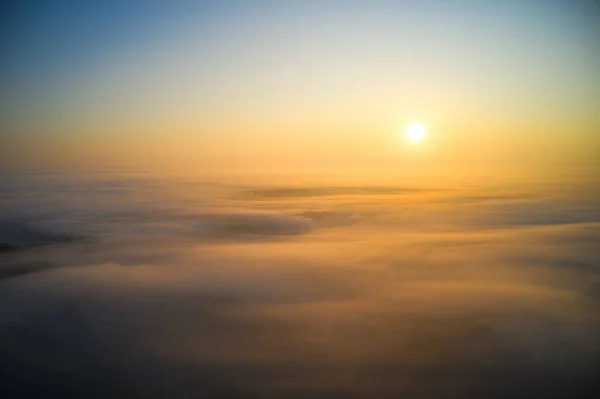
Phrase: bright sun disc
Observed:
(415, 132)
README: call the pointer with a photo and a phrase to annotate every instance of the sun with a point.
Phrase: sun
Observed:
(415, 132)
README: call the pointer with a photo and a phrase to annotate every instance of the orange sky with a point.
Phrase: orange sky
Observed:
(308, 87)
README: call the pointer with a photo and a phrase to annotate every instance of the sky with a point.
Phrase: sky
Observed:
(504, 88)
(217, 199)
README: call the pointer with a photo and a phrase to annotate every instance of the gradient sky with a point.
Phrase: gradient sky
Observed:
(502, 86)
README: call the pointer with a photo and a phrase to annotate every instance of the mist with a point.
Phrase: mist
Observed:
(141, 287)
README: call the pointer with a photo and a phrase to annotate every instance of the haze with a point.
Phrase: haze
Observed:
(218, 199)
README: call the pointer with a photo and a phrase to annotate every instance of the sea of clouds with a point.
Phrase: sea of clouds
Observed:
(182, 288)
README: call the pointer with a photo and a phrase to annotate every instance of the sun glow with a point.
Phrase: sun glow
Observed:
(415, 132)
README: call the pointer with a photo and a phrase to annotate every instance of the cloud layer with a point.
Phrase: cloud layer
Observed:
(195, 290)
